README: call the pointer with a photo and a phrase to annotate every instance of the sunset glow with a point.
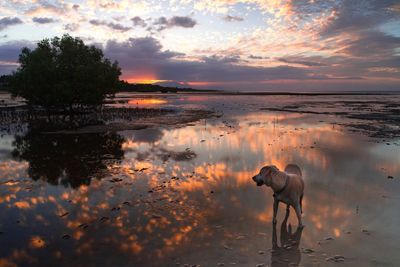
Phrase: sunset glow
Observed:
(282, 45)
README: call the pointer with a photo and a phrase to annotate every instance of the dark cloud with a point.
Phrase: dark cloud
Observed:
(371, 44)
(301, 62)
(256, 57)
(138, 21)
(163, 23)
(111, 25)
(142, 51)
(353, 16)
(9, 53)
(230, 18)
(141, 55)
(43, 20)
(185, 22)
(9, 21)
(71, 27)
(221, 59)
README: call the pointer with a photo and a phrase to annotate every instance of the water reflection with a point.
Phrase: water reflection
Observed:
(67, 159)
(147, 102)
(185, 195)
(288, 253)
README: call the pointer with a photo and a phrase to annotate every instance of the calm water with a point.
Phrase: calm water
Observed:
(176, 196)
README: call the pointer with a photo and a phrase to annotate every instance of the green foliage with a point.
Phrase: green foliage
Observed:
(64, 72)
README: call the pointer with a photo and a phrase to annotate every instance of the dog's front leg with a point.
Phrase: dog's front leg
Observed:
(276, 205)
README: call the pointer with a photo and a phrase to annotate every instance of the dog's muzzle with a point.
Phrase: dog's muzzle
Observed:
(259, 183)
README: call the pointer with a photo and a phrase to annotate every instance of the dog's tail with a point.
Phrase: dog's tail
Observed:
(293, 169)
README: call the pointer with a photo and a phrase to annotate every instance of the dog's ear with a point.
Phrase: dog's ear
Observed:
(268, 172)
(271, 169)
(274, 168)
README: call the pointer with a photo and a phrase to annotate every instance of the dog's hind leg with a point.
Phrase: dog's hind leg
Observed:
(298, 213)
(301, 204)
(276, 205)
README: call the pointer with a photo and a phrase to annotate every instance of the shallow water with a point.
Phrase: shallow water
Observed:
(176, 196)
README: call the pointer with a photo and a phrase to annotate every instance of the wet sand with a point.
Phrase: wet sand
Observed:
(183, 196)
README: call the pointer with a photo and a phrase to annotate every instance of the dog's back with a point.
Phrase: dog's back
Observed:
(297, 179)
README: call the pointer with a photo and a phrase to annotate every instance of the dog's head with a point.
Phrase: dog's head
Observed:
(265, 175)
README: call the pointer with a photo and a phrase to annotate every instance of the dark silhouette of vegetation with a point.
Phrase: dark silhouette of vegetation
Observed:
(4, 82)
(68, 159)
(64, 73)
(153, 88)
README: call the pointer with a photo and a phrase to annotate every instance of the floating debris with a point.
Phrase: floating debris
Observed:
(156, 216)
(115, 180)
(366, 232)
(240, 237)
(336, 258)
(227, 248)
(64, 214)
(307, 250)
(83, 226)
(104, 219)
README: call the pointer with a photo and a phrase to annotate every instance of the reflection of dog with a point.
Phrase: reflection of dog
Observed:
(288, 254)
(288, 186)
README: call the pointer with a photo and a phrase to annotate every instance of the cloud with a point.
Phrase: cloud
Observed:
(138, 21)
(71, 27)
(9, 53)
(302, 62)
(230, 18)
(257, 57)
(111, 25)
(163, 23)
(351, 16)
(8, 21)
(43, 20)
(46, 8)
(140, 56)
(142, 51)
(185, 22)
(371, 44)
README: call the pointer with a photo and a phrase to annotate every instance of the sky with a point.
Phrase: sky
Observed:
(241, 45)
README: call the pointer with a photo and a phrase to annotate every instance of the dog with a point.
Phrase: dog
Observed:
(288, 187)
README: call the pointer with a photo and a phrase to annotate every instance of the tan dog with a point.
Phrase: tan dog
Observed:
(288, 187)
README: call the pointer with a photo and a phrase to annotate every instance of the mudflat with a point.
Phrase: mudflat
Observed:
(177, 189)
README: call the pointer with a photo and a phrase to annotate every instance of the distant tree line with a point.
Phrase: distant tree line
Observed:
(153, 88)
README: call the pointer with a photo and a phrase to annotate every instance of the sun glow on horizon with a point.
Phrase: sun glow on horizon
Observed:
(146, 80)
